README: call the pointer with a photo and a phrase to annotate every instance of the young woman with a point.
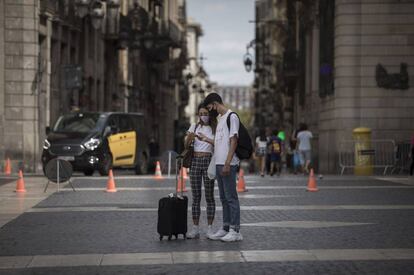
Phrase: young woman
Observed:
(202, 134)
(261, 150)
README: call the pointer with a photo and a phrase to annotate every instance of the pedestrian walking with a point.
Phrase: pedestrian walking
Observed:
(227, 163)
(275, 149)
(304, 147)
(202, 134)
(268, 135)
(412, 156)
(261, 151)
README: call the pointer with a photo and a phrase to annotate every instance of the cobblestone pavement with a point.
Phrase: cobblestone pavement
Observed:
(364, 217)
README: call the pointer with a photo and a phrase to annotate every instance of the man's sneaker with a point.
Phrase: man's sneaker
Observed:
(232, 236)
(194, 233)
(218, 235)
(209, 232)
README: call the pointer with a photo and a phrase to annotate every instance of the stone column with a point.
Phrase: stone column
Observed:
(20, 138)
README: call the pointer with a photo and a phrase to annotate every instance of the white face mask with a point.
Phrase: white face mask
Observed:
(205, 119)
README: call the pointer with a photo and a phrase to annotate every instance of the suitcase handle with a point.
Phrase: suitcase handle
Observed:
(178, 168)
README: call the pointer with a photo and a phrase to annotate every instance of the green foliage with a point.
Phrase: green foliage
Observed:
(246, 116)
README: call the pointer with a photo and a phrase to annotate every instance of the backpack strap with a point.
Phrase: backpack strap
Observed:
(228, 119)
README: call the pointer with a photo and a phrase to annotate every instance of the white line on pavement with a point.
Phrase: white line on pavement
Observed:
(219, 208)
(197, 257)
(248, 187)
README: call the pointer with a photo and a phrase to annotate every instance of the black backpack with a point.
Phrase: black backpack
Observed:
(244, 148)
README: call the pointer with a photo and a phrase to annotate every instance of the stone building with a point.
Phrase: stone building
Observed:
(238, 97)
(59, 55)
(197, 77)
(348, 64)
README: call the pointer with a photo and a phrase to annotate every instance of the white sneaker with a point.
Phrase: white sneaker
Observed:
(194, 233)
(218, 235)
(232, 236)
(209, 232)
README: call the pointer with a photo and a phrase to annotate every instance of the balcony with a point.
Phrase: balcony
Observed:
(171, 33)
(59, 11)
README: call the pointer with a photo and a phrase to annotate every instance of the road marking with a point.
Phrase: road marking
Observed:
(194, 257)
(304, 224)
(219, 208)
(248, 187)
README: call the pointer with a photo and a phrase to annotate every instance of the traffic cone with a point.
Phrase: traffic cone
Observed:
(7, 168)
(181, 181)
(158, 174)
(312, 182)
(185, 176)
(110, 186)
(241, 185)
(20, 183)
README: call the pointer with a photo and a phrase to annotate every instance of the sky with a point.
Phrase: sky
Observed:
(227, 31)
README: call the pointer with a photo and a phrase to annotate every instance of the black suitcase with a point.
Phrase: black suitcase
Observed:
(172, 211)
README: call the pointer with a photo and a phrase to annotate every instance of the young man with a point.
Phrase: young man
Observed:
(304, 145)
(227, 163)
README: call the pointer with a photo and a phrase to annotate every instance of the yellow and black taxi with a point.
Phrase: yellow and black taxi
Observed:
(98, 141)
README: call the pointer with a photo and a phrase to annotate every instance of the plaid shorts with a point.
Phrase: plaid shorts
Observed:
(198, 174)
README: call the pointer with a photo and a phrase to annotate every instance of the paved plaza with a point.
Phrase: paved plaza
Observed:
(353, 225)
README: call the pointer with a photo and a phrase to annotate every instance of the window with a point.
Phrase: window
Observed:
(77, 123)
(125, 124)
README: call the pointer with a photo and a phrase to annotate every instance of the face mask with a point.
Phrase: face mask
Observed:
(205, 119)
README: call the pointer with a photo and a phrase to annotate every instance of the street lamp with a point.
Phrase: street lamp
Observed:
(248, 61)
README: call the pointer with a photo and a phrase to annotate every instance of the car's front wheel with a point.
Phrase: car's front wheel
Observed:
(141, 167)
(105, 165)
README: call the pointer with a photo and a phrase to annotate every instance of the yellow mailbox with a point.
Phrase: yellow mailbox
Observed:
(363, 151)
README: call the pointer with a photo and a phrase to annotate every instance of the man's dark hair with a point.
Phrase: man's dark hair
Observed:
(213, 97)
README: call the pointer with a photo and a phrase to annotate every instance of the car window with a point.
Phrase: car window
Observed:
(77, 123)
(112, 122)
(125, 124)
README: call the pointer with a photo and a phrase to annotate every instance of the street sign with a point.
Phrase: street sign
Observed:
(58, 170)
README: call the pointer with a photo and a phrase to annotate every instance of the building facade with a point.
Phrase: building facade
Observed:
(273, 88)
(348, 64)
(197, 78)
(54, 60)
(238, 97)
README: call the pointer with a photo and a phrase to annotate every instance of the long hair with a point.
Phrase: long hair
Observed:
(262, 135)
(212, 120)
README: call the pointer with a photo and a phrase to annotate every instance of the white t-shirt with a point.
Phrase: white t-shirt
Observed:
(261, 144)
(222, 139)
(304, 140)
(199, 145)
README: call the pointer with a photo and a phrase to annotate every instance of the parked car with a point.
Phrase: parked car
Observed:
(98, 141)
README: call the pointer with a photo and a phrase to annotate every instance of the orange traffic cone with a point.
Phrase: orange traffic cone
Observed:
(20, 183)
(241, 184)
(185, 176)
(110, 186)
(7, 168)
(158, 174)
(181, 181)
(312, 182)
